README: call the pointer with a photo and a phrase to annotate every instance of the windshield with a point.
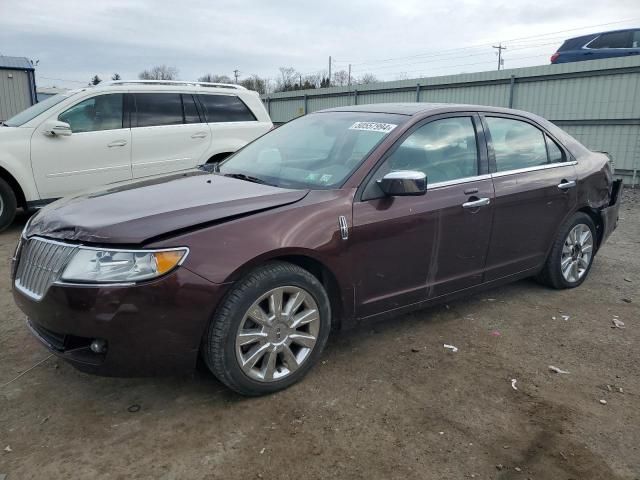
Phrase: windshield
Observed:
(318, 151)
(35, 110)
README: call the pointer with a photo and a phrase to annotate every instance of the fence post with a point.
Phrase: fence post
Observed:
(417, 92)
(355, 96)
(305, 103)
(269, 105)
(512, 86)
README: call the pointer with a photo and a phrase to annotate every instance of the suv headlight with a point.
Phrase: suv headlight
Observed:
(89, 265)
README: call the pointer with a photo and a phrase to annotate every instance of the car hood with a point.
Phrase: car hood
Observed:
(136, 212)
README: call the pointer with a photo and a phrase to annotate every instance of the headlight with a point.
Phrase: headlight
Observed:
(114, 266)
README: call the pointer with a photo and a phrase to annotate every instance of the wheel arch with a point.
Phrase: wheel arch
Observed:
(597, 221)
(218, 157)
(310, 262)
(15, 186)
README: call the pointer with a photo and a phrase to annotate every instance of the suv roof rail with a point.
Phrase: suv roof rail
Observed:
(174, 82)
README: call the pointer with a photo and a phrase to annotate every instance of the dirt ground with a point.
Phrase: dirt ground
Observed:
(387, 401)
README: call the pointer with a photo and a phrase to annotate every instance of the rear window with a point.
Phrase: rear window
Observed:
(225, 108)
(576, 43)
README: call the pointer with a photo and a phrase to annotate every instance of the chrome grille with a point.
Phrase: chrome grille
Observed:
(40, 264)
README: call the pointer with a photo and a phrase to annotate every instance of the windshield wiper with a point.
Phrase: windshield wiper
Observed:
(248, 178)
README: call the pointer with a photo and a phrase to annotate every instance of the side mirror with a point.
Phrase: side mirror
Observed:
(56, 128)
(403, 183)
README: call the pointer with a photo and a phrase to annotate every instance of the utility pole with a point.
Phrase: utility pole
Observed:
(300, 81)
(349, 81)
(329, 70)
(236, 73)
(500, 48)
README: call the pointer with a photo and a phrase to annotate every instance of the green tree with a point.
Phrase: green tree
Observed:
(95, 80)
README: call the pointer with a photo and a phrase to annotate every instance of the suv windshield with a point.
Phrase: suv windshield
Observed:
(318, 151)
(35, 110)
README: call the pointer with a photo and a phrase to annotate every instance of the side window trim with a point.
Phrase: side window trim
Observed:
(481, 147)
(567, 158)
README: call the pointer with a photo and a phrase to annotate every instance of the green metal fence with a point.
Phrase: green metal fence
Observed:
(598, 102)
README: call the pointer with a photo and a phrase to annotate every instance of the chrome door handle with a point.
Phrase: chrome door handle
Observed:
(199, 135)
(481, 202)
(117, 143)
(567, 185)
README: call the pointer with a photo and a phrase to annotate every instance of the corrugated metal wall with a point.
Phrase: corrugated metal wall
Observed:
(15, 92)
(598, 101)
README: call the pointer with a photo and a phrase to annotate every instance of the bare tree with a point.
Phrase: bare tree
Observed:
(287, 80)
(341, 78)
(211, 78)
(254, 82)
(159, 72)
(367, 78)
(116, 76)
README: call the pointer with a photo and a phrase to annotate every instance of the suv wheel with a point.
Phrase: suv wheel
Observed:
(8, 205)
(572, 253)
(269, 331)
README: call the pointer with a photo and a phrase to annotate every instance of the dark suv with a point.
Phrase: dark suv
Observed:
(338, 217)
(619, 43)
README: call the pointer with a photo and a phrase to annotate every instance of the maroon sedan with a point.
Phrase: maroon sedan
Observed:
(338, 217)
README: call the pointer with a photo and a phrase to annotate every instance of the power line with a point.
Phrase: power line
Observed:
(490, 44)
(469, 64)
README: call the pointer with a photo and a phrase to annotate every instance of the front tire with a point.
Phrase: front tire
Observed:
(572, 253)
(269, 330)
(8, 205)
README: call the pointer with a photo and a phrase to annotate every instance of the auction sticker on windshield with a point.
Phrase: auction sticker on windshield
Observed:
(373, 126)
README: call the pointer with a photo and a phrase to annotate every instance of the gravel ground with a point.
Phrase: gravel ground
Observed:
(387, 401)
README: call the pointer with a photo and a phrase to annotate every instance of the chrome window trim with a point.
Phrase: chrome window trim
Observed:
(457, 181)
(533, 169)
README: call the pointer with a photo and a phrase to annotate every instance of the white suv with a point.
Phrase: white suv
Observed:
(120, 131)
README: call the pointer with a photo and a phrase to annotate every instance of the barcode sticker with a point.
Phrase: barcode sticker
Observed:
(373, 126)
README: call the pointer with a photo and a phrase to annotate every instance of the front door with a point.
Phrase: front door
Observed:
(96, 153)
(535, 185)
(408, 249)
(167, 134)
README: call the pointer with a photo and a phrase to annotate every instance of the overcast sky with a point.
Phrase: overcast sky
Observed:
(392, 39)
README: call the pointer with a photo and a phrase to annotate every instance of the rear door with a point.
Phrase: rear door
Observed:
(96, 153)
(168, 133)
(535, 190)
(232, 122)
(408, 249)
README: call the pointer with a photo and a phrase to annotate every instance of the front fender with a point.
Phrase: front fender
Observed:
(15, 164)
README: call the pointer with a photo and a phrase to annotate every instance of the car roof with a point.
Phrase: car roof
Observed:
(595, 34)
(418, 108)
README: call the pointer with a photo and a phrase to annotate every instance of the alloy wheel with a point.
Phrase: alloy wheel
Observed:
(577, 253)
(277, 334)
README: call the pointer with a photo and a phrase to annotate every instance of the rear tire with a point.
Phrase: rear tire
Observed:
(572, 253)
(269, 330)
(8, 205)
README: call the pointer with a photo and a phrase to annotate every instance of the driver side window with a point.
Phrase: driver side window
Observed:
(443, 150)
(103, 112)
